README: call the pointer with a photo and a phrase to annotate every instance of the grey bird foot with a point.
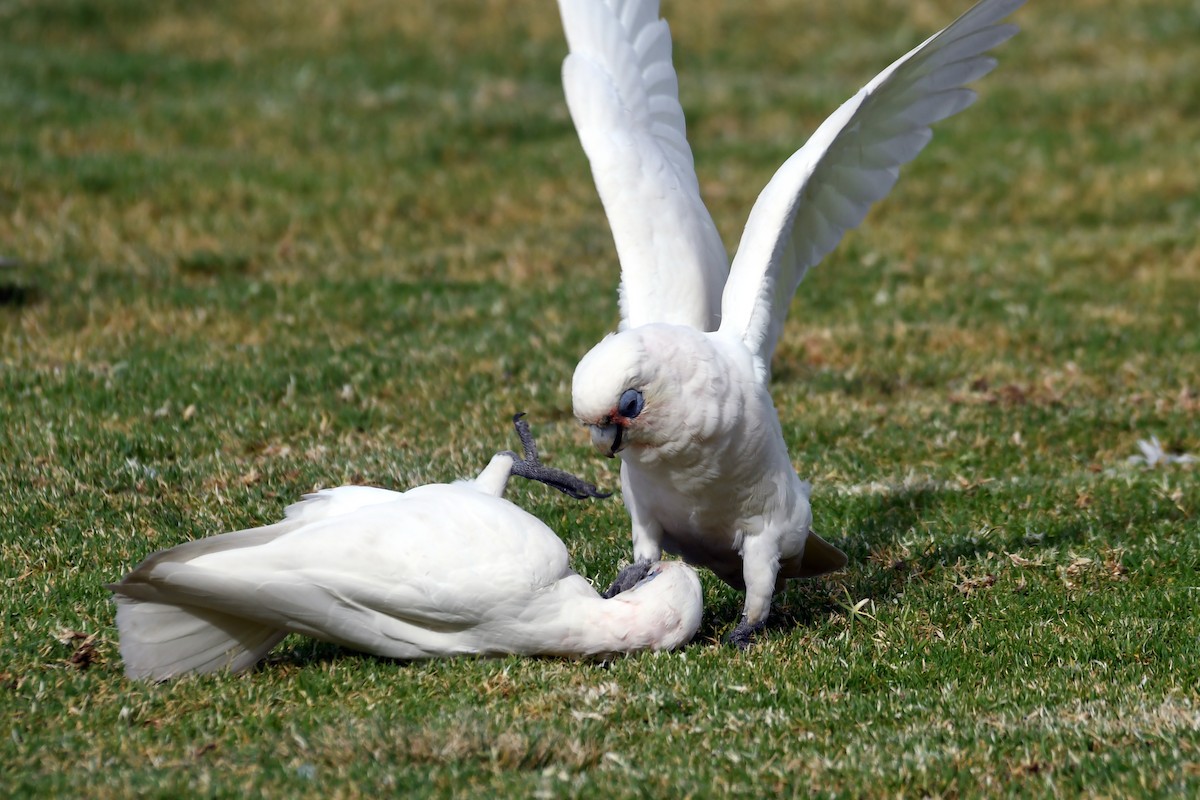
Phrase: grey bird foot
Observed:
(628, 578)
(741, 636)
(532, 468)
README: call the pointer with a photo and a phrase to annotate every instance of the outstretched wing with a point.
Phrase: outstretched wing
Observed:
(852, 160)
(624, 99)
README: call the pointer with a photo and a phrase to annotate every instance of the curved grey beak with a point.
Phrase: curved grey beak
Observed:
(607, 438)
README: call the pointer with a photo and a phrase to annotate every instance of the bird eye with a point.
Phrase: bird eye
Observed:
(631, 403)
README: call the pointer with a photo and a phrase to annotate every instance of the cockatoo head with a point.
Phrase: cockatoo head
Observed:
(664, 609)
(629, 389)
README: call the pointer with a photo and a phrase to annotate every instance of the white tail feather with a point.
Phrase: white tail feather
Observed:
(162, 640)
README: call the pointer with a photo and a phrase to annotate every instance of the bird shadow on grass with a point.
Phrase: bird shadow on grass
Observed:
(16, 295)
(804, 603)
(879, 567)
(14, 292)
(304, 653)
(310, 653)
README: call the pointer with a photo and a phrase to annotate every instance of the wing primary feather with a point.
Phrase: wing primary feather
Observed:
(637, 15)
(623, 95)
(851, 161)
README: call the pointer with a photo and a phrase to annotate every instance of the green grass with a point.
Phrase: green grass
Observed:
(263, 251)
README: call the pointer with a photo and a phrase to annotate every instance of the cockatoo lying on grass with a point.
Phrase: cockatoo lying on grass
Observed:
(681, 391)
(439, 570)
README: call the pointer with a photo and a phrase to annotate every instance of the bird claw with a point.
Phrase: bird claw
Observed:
(628, 578)
(531, 467)
(742, 636)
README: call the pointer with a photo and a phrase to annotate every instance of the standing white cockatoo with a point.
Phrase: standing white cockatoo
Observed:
(681, 391)
(439, 570)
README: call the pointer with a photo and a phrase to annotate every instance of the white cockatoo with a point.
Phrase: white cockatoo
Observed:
(439, 570)
(681, 391)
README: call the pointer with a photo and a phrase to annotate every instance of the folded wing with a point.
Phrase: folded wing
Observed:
(404, 575)
(852, 160)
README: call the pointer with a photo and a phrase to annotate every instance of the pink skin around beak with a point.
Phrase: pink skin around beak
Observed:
(609, 437)
(606, 438)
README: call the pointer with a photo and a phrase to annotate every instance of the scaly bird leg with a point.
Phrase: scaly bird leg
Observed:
(760, 569)
(533, 469)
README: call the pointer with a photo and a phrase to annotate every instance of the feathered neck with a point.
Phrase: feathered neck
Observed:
(661, 613)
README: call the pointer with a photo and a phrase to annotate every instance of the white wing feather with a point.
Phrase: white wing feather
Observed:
(852, 160)
(623, 96)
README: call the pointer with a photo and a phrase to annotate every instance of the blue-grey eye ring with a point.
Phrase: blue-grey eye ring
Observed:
(631, 403)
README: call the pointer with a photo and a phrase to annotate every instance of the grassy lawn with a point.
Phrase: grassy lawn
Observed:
(254, 249)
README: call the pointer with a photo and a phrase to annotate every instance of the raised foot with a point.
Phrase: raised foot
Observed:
(628, 578)
(743, 635)
(533, 469)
